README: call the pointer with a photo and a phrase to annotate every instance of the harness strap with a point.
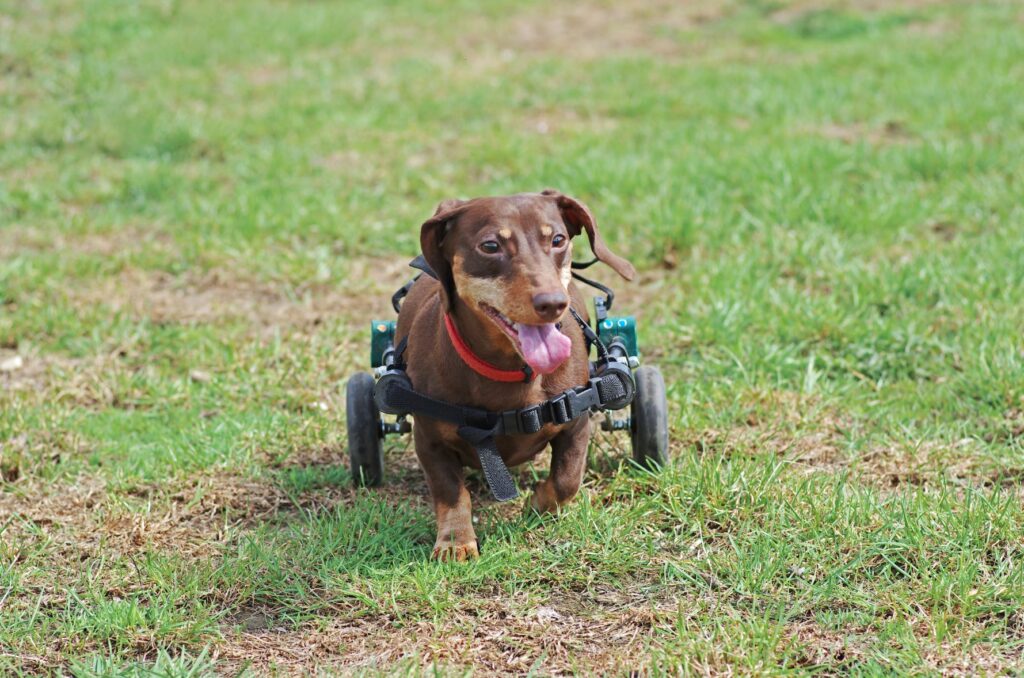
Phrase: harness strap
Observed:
(480, 427)
(609, 296)
(420, 264)
(496, 473)
(590, 335)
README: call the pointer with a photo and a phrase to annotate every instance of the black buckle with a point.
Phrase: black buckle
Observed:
(562, 408)
(527, 420)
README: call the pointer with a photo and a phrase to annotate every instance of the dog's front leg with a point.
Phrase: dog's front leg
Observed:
(456, 539)
(568, 461)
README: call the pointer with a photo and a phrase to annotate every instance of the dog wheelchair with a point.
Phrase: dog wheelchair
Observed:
(617, 381)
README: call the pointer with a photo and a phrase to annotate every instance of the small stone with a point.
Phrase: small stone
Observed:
(199, 376)
(547, 614)
(11, 364)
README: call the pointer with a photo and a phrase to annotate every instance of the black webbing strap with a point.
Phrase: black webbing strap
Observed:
(403, 291)
(480, 427)
(498, 478)
(590, 335)
(477, 427)
(609, 296)
(398, 361)
(577, 265)
(419, 263)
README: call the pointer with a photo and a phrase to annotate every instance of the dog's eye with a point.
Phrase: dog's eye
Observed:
(490, 247)
(558, 240)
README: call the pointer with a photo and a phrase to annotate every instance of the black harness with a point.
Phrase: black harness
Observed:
(610, 387)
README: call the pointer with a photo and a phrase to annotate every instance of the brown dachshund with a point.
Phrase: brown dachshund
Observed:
(503, 286)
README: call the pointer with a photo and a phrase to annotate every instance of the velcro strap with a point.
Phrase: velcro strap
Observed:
(610, 389)
(498, 478)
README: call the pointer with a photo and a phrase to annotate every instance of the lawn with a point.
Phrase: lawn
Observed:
(203, 205)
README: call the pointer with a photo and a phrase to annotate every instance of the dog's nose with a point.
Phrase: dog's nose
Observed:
(550, 305)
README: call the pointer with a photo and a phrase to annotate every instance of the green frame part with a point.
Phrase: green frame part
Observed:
(382, 337)
(621, 327)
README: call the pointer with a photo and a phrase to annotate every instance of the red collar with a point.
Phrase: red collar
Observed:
(481, 366)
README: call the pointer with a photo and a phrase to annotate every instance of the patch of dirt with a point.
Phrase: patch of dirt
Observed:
(86, 382)
(26, 455)
(787, 424)
(127, 239)
(554, 121)
(211, 297)
(497, 640)
(827, 647)
(263, 309)
(945, 230)
(891, 133)
(87, 521)
(818, 439)
(934, 28)
(840, 650)
(1009, 429)
(794, 9)
(928, 462)
(267, 74)
(596, 28)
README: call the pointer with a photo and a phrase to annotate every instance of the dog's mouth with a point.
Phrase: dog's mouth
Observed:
(543, 347)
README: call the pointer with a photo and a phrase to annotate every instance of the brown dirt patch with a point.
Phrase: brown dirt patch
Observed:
(794, 9)
(86, 382)
(891, 133)
(215, 296)
(88, 521)
(820, 646)
(502, 639)
(260, 309)
(127, 239)
(555, 120)
(596, 28)
(816, 439)
(837, 649)
(787, 424)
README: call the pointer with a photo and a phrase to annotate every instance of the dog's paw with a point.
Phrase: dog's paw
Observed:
(542, 501)
(452, 552)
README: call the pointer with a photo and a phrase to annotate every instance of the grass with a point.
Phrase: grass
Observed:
(202, 205)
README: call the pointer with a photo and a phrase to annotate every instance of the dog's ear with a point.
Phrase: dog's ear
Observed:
(432, 235)
(578, 218)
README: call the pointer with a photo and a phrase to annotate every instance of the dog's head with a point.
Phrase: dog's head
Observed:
(507, 259)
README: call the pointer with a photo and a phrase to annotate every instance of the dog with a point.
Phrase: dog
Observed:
(503, 283)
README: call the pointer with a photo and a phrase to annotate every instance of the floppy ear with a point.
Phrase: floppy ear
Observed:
(432, 235)
(578, 218)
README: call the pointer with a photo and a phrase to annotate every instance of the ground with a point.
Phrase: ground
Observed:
(203, 205)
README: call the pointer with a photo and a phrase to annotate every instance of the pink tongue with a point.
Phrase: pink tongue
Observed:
(544, 347)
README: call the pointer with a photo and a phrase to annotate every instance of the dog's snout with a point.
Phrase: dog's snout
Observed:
(550, 305)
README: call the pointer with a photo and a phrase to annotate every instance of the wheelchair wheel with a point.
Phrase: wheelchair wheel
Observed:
(649, 419)
(365, 436)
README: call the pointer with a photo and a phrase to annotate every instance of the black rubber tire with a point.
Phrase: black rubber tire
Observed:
(648, 425)
(365, 439)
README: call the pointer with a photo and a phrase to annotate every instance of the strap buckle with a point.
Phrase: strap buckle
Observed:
(527, 420)
(564, 407)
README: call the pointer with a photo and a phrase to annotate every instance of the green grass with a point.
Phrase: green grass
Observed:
(202, 205)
